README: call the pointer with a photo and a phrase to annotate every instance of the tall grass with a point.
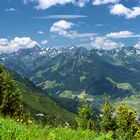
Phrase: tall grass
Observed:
(12, 130)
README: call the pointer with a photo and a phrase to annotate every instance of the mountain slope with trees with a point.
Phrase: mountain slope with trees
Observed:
(36, 102)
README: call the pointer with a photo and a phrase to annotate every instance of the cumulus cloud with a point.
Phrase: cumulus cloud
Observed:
(7, 46)
(62, 24)
(63, 27)
(44, 4)
(44, 42)
(135, 11)
(105, 44)
(116, 8)
(121, 10)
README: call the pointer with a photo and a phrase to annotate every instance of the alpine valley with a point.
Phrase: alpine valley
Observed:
(68, 74)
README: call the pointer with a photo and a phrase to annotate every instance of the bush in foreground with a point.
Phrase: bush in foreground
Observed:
(120, 120)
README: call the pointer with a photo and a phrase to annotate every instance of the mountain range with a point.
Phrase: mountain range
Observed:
(73, 72)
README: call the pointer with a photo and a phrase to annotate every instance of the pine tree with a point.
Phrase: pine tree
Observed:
(10, 97)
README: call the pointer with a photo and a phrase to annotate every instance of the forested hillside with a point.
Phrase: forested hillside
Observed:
(35, 102)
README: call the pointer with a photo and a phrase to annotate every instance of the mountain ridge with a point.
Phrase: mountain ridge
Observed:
(59, 66)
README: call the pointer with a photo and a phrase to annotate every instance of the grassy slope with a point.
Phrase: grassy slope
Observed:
(11, 130)
(37, 102)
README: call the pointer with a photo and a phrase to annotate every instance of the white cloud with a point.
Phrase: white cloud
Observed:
(81, 3)
(105, 44)
(134, 12)
(44, 4)
(10, 10)
(63, 17)
(62, 24)
(115, 9)
(121, 34)
(62, 28)
(44, 42)
(40, 32)
(137, 46)
(15, 44)
(121, 10)
(100, 2)
(3, 42)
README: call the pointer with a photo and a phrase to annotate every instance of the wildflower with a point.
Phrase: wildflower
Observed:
(30, 122)
(18, 120)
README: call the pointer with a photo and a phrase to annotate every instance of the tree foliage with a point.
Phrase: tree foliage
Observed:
(10, 97)
(137, 135)
(108, 119)
(126, 121)
(85, 116)
(120, 120)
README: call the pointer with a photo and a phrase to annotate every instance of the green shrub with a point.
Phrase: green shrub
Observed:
(137, 135)
(85, 116)
(108, 120)
(126, 122)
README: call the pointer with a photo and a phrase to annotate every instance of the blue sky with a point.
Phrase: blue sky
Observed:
(103, 24)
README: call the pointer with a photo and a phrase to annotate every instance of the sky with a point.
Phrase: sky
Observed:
(100, 24)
